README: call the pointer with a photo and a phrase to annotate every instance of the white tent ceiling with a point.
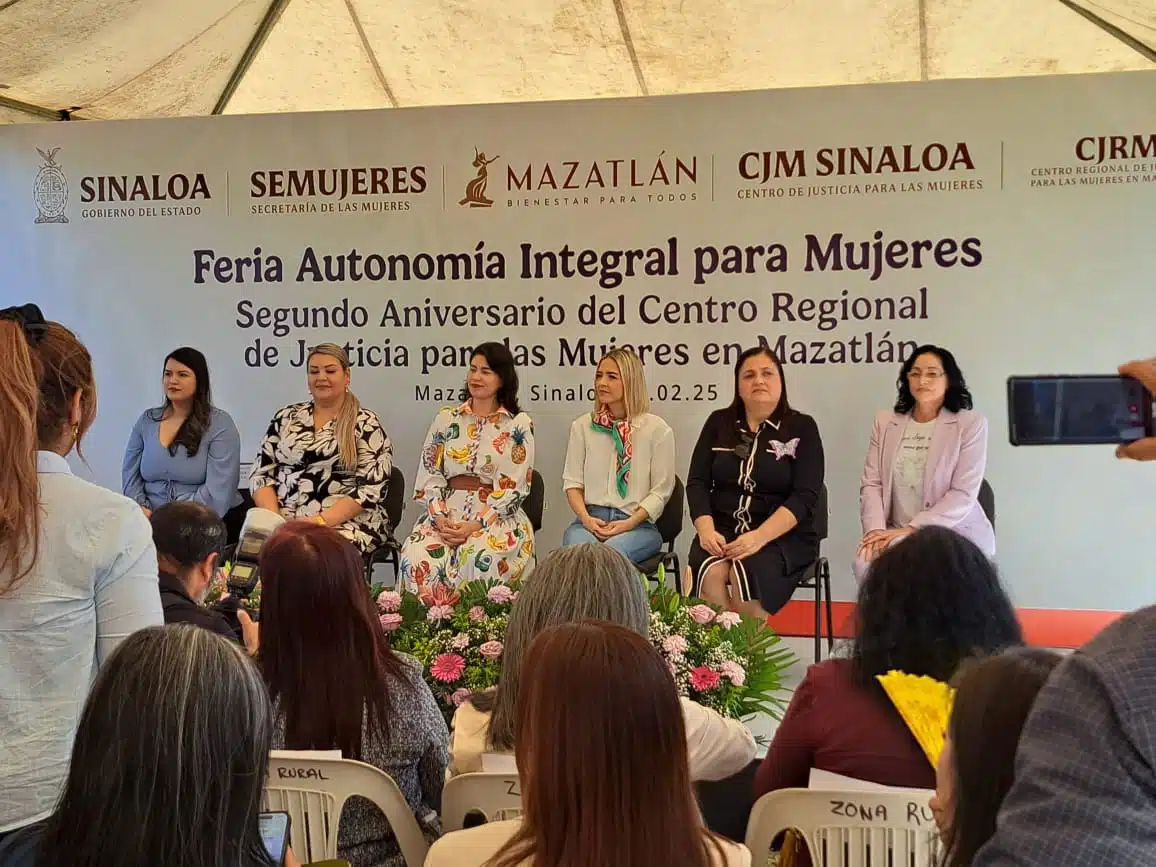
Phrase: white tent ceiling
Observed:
(165, 58)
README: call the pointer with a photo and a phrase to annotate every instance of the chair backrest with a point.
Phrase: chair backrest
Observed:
(987, 501)
(669, 522)
(496, 796)
(536, 502)
(313, 790)
(822, 517)
(395, 497)
(864, 829)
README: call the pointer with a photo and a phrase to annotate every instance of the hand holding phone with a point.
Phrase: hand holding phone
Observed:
(274, 829)
(1145, 373)
(1080, 410)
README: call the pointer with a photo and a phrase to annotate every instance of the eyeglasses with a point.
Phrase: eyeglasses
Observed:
(745, 444)
(929, 375)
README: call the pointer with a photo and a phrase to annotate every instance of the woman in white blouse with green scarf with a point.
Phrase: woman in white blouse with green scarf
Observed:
(619, 471)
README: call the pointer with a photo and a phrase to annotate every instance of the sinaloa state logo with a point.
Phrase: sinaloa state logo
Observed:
(50, 189)
(476, 188)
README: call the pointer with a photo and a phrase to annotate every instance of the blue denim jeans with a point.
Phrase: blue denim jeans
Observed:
(642, 542)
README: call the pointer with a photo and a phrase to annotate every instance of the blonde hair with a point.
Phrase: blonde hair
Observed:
(346, 422)
(634, 393)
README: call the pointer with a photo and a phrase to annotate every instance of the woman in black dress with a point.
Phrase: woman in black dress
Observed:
(755, 478)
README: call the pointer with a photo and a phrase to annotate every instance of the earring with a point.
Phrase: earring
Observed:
(75, 432)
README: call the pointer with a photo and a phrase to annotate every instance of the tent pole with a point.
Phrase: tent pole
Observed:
(1112, 30)
(34, 110)
(276, 7)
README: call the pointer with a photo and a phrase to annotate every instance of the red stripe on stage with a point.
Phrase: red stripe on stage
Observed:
(1042, 626)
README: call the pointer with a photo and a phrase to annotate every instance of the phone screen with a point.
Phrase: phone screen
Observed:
(1076, 410)
(274, 829)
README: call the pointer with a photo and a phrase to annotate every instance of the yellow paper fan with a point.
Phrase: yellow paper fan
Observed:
(925, 705)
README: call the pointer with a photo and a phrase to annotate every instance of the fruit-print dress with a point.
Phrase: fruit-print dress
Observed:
(499, 450)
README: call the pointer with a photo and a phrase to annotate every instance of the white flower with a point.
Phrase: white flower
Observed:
(460, 641)
(727, 619)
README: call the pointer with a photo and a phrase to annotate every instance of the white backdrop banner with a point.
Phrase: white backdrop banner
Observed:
(1012, 221)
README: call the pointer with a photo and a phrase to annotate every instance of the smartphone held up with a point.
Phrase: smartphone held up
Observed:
(1078, 410)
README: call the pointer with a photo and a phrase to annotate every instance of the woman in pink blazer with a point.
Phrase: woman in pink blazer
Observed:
(926, 460)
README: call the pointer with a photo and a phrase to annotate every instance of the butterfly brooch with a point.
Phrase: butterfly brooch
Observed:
(784, 450)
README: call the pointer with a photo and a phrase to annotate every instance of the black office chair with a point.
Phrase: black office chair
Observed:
(987, 501)
(390, 551)
(235, 518)
(536, 502)
(817, 577)
(669, 525)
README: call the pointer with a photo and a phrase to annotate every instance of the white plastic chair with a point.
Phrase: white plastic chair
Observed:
(497, 796)
(848, 829)
(313, 791)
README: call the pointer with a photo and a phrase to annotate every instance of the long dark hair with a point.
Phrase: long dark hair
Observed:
(738, 409)
(615, 789)
(169, 760)
(501, 361)
(193, 428)
(928, 603)
(44, 367)
(323, 652)
(957, 396)
(992, 701)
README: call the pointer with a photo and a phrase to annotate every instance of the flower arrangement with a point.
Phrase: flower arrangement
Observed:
(732, 664)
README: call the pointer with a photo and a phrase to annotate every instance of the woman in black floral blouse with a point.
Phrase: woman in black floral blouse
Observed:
(327, 460)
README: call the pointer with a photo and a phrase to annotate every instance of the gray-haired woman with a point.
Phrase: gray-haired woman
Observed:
(571, 584)
(168, 763)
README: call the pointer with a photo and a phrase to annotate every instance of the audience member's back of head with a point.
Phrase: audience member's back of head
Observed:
(570, 584)
(186, 534)
(927, 604)
(601, 752)
(992, 701)
(323, 652)
(169, 759)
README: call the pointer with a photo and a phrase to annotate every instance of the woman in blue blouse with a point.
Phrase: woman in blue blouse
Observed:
(186, 449)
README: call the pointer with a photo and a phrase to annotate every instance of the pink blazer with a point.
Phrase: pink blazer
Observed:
(955, 467)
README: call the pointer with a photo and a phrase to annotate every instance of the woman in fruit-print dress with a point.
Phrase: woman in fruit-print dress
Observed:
(474, 476)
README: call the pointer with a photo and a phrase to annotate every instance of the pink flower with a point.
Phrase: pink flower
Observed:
(701, 614)
(491, 649)
(460, 641)
(389, 600)
(514, 597)
(704, 678)
(675, 645)
(460, 695)
(447, 667)
(478, 614)
(670, 667)
(727, 619)
(499, 594)
(733, 672)
(440, 612)
(390, 621)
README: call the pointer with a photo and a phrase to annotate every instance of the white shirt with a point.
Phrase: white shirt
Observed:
(475, 846)
(910, 466)
(592, 465)
(94, 584)
(716, 746)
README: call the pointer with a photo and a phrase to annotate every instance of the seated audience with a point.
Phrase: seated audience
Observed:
(327, 460)
(78, 571)
(474, 477)
(925, 607)
(186, 449)
(336, 684)
(619, 471)
(602, 765)
(926, 460)
(190, 541)
(168, 765)
(754, 482)
(976, 768)
(589, 580)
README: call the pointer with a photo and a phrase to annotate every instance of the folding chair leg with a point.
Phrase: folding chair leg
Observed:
(818, 618)
(830, 606)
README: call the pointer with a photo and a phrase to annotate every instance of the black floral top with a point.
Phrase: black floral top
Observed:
(304, 467)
